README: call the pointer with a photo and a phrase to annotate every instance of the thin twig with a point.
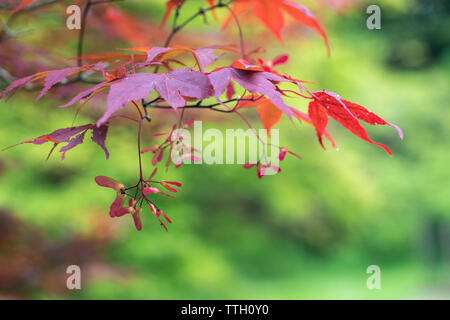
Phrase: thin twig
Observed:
(200, 12)
(210, 106)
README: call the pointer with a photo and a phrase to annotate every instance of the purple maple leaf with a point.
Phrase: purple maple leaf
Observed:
(171, 86)
(61, 135)
(54, 77)
(77, 140)
(74, 136)
(17, 84)
(85, 94)
(206, 56)
(99, 137)
(254, 81)
(151, 55)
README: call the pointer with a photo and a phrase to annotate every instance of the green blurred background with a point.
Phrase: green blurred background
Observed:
(307, 233)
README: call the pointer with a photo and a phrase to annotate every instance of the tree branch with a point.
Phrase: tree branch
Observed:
(85, 13)
(210, 106)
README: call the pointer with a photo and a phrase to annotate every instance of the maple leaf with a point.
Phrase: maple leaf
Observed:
(273, 63)
(114, 57)
(73, 136)
(206, 56)
(172, 86)
(99, 137)
(305, 118)
(270, 13)
(51, 78)
(268, 113)
(252, 78)
(203, 56)
(328, 104)
(149, 56)
(56, 76)
(20, 83)
(154, 55)
(88, 94)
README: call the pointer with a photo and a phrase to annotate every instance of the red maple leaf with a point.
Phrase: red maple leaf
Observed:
(270, 13)
(269, 114)
(252, 78)
(328, 104)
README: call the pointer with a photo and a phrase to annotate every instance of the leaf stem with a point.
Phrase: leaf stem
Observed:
(124, 116)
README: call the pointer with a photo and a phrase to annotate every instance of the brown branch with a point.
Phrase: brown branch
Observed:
(80, 45)
(81, 35)
(209, 107)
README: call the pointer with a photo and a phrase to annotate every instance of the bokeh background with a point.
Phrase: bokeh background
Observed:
(307, 233)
